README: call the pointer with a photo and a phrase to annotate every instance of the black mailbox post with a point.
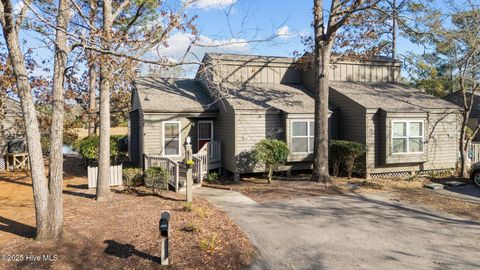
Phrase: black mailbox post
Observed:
(163, 225)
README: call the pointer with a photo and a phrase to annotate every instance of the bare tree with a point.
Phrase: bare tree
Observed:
(458, 44)
(55, 185)
(11, 28)
(326, 26)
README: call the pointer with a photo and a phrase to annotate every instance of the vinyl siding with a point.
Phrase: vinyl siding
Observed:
(250, 129)
(441, 147)
(225, 132)
(153, 133)
(349, 118)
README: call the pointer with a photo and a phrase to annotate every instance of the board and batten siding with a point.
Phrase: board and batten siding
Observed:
(349, 118)
(275, 73)
(355, 72)
(251, 128)
(441, 143)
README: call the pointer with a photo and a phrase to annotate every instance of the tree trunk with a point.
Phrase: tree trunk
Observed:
(270, 174)
(92, 77)
(394, 29)
(92, 105)
(322, 62)
(39, 180)
(103, 184)
(56, 130)
(463, 146)
(3, 100)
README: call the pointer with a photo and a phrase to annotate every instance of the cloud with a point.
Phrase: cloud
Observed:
(179, 43)
(212, 4)
(284, 32)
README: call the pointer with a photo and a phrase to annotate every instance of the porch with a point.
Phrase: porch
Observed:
(209, 157)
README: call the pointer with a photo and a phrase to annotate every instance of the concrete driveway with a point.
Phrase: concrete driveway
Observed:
(351, 232)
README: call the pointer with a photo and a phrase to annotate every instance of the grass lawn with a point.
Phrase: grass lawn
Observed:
(399, 189)
(120, 234)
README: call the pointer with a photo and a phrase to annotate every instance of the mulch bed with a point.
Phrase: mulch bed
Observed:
(122, 233)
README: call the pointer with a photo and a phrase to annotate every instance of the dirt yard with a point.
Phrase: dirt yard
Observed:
(120, 234)
(408, 190)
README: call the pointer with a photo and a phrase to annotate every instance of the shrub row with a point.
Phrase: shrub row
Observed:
(154, 178)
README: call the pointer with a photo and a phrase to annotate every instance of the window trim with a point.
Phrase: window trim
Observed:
(308, 136)
(407, 136)
(179, 138)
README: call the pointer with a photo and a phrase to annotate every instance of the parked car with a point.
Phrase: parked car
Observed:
(475, 173)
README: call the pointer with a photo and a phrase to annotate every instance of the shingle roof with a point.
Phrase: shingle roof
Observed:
(390, 97)
(290, 98)
(457, 98)
(173, 95)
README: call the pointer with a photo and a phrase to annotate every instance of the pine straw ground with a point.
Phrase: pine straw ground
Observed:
(119, 234)
(409, 190)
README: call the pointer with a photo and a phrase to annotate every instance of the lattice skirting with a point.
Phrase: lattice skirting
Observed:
(2, 164)
(403, 174)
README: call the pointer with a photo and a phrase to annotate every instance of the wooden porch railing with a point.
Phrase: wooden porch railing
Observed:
(197, 170)
(210, 153)
(171, 166)
(474, 152)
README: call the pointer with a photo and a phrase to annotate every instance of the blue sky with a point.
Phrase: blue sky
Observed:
(254, 19)
(247, 20)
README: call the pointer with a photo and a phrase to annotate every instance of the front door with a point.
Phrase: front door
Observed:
(205, 133)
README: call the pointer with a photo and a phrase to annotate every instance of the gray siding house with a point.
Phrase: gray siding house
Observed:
(458, 99)
(237, 100)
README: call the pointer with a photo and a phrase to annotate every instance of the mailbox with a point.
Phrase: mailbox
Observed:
(163, 224)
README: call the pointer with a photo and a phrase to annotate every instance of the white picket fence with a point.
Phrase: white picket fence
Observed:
(115, 176)
(474, 152)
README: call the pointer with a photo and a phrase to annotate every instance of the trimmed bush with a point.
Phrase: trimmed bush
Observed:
(132, 176)
(156, 178)
(88, 147)
(345, 153)
(212, 177)
(271, 153)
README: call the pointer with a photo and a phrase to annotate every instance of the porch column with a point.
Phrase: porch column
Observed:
(188, 162)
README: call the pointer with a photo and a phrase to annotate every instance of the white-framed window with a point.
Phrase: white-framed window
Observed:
(302, 136)
(171, 138)
(407, 136)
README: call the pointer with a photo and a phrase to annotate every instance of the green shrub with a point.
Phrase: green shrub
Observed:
(132, 176)
(212, 177)
(156, 177)
(88, 147)
(346, 153)
(271, 153)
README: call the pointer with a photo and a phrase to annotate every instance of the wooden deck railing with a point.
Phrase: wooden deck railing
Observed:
(197, 170)
(214, 151)
(474, 152)
(171, 166)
